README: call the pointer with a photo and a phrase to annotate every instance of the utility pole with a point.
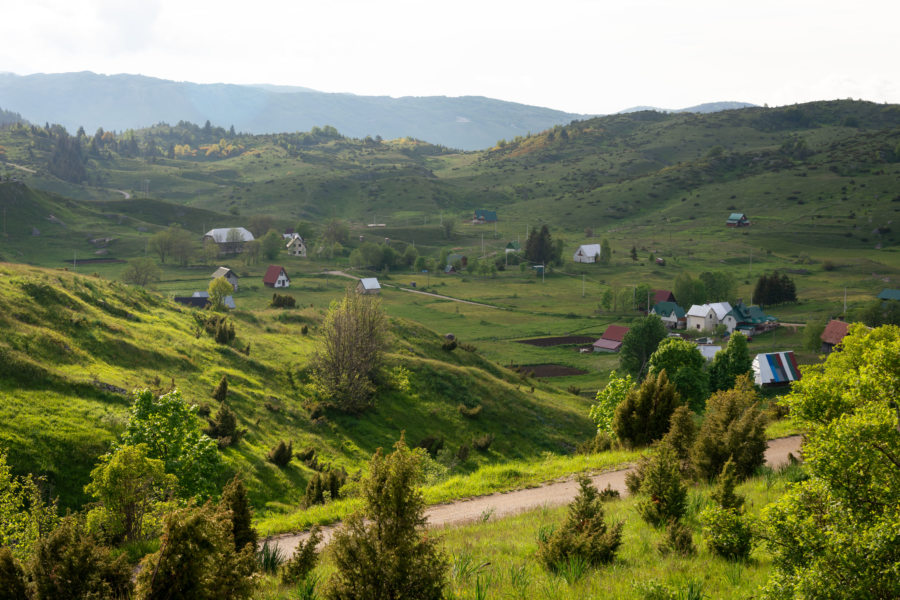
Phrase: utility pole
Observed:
(582, 285)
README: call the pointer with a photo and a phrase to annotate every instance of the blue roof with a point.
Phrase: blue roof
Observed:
(889, 294)
(486, 215)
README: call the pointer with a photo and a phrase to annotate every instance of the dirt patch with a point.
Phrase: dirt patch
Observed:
(548, 370)
(559, 341)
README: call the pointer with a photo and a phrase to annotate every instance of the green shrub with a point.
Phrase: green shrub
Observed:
(449, 345)
(224, 427)
(463, 453)
(320, 484)
(644, 415)
(297, 569)
(723, 494)
(608, 493)
(584, 535)
(681, 436)
(727, 532)
(601, 442)
(431, 444)
(482, 443)
(469, 413)
(283, 301)
(221, 392)
(234, 499)
(664, 493)
(12, 576)
(269, 558)
(678, 539)
(635, 477)
(224, 331)
(281, 454)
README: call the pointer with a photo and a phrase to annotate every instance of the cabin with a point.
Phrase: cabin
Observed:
(611, 340)
(775, 369)
(368, 286)
(230, 240)
(484, 216)
(705, 317)
(276, 277)
(671, 314)
(833, 335)
(737, 220)
(749, 319)
(587, 253)
(229, 275)
(296, 246)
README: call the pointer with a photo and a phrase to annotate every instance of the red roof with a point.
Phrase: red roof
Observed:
(662, 296)
(272, 274)
(835, 332)
(604, 344)
(615, 333)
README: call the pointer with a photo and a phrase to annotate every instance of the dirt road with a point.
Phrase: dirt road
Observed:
(553, 493)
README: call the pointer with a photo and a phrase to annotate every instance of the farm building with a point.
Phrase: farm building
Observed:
(587, 253)
(737, 220)
(611, 340)
(484, 216)
(229, 275)
(775, 368)
(368, 285)
(230, 239)
(671, 314)
(833, 335)
(296, 246)
(276, 277)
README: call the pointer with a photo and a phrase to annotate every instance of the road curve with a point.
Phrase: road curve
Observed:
(554, 493)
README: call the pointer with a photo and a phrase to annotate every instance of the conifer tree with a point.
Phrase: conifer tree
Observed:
(234, 499)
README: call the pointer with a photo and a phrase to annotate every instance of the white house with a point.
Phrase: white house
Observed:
(296, 246)
(228, 274)
(587, 253)
(276, 277)
(368, 285)
(705, 317)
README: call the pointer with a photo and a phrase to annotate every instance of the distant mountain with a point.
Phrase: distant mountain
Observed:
(709, 107)
(121, 102)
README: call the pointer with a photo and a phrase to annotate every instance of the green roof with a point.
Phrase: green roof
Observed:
(889, 294)
(664, 309)
(736, 216)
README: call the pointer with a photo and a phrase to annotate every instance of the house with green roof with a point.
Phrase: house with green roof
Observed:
(671, 314)
(484, 216)
(889, 294)
(737, 220)
(748, 319)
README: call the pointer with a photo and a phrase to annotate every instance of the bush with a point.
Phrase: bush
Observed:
(224, 428)
(224, 332)
(269, 558)
(635, 477)
(469, 413)
(234, 499)
(283, 301)
(608, 493)
(584, 535)
(601, 442)
(281, 454)
(463, 453)
(70, 563)
(449, 345)
(644, 415)
(681, 436)
(678, 539)
(723, 494)
(12, 576)
(726, 532)
(431, 444)
(664, 493)
(483, 442)
(221, 392)
(320, 483)
(734, 427)
(304, 559)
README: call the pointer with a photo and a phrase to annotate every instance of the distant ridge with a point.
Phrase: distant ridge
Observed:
(708, 107)
(121, 102)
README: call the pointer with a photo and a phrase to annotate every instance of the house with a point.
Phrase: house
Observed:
(775, 368)
(513, 247)
(705, 317)
(453, 260)
(368, 285)
(662, 296)
(833, 335)
(587, 253)
(611, 340)
(228, 301)
(228, 274)
(276, 277)
(749, 319)
(484, 216)
(889, 294)
(737, 220)
(230, 239)
(296, 246)
(709, 351)
(671, 314)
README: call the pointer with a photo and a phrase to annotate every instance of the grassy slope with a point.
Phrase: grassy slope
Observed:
(59, 332)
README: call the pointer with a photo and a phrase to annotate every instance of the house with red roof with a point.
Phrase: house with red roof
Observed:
(661, 296)
(833, 335)
(611, 340)
(276, 277)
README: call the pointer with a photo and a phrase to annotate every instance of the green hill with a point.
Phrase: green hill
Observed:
(71, 345)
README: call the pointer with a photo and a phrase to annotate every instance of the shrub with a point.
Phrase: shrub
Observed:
(664, 493)
(449, 345)
(678, 539)
(608, 493)
(608, 399)
(221, 392)
(483, 442)
(320, 483)
(283, 301)
(463, 453)
(234, 499)
(584, 535)
(635, 477)
(381, 553)
(269, 558)
(308, 457)
(723, 494)
(431, 444)
(224, 332)
(681, 435)
(70, 563)
(644, 415)
(303, 560)
(734, 427)
(281, 454)
(224, 427)
(469, 413)
(12, 576)
(601, 442)
(304, 330)
(727, 532)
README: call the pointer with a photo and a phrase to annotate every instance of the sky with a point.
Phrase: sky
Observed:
(580, 56)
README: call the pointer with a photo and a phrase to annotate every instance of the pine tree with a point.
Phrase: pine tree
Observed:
(221, 391)
(234, 499)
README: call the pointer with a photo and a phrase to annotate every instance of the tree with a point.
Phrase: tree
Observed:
(234, 241)
(235, 501)
(639, 343)
(182, 245)
(210, 250)
(142, 272)
(160, 243)
(539, 246)
(774, 289)
(663, 493)
(12, 576)
(218, 289)
(24, 516)
(335, 233)
(605, 252)
(689, 291)
(221, 392)
(448, 227)
(271, 244)
(730, 363)
(128, 485)
(734, 428)
(835, 535)
(608, 399)
(251, 252)
(719, 287)
(685, 367)
(197, 559)
(260, 224)
(634, 255)
(170, 428)
(382, 552)
(645, 414)
(351, 351)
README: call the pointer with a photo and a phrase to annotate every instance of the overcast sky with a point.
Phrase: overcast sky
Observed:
(584, 56)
